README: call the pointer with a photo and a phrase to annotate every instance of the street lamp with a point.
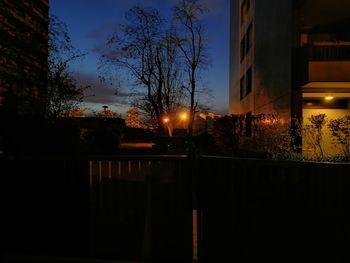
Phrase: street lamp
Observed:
(167, 124)
(166, 120)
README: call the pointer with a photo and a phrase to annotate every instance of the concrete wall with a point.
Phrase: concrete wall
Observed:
(329, 71)
(234, 58)
(273, 59)
(328, 145)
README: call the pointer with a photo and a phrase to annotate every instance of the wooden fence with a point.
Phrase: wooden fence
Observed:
(143, 208)
(276, 211)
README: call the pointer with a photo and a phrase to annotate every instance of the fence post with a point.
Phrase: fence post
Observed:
(194, 158)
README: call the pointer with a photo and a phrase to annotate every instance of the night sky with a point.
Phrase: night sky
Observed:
(90, 21)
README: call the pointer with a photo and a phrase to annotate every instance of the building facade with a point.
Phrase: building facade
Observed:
(287, 56)
(23, 57)
(133, 118)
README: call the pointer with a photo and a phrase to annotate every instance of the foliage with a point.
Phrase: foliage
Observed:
(313, 135)
(273, 138)
(271, 134)
(227, 132)
(340, 130)
(63, 92)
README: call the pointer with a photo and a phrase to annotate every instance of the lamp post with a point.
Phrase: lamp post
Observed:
(167, 123)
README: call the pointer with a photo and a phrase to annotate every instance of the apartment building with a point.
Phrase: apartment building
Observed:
(23, 57)
(290, 57)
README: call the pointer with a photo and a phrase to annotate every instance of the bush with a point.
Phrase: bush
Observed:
(273, 137)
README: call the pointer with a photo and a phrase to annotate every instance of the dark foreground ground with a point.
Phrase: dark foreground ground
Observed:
(44, 259)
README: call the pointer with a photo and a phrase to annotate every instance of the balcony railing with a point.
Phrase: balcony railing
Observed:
(330, 53)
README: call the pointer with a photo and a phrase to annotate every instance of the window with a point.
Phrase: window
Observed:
(249, 81)
(242, 49)
(242, 88)
(249, 37)
(246, 83)
(247, 5)
(246, 42)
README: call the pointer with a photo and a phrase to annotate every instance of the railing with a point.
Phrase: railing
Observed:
(140, 208)
(329, 53)
(131, 167)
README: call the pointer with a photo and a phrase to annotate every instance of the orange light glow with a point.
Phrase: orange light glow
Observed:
(329, 98)
(183, 116)
(166, 120)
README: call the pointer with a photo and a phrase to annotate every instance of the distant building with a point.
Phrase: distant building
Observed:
(133, 118)
(75, 114)
(288, 56)
(206, 115)
(108, 114)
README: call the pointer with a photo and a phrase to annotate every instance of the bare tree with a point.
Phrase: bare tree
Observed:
(191, 42)
(145, 49)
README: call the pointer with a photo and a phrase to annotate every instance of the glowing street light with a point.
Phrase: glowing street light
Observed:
(183, 116)
(329, 98)
(167, 124)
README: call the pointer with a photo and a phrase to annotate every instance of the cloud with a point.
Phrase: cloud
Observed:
(102, 31)
(214, 5)
(102, 93)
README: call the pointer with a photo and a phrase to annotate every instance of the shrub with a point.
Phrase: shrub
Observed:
(313, 135)
(340, 131)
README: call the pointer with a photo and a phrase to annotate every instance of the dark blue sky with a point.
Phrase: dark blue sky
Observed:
(89, 22)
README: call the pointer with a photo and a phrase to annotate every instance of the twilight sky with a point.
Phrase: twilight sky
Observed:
(90, 21)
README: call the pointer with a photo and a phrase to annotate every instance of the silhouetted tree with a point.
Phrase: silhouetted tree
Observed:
(188, 14)
(146, 47)
(63, 92)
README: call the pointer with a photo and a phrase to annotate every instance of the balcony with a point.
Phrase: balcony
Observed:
(323, 62)
(329, 53)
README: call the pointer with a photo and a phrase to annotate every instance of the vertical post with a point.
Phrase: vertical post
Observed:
(196, 211)
(147, 235)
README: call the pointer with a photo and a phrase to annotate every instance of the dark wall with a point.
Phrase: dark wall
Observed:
(272, 56)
